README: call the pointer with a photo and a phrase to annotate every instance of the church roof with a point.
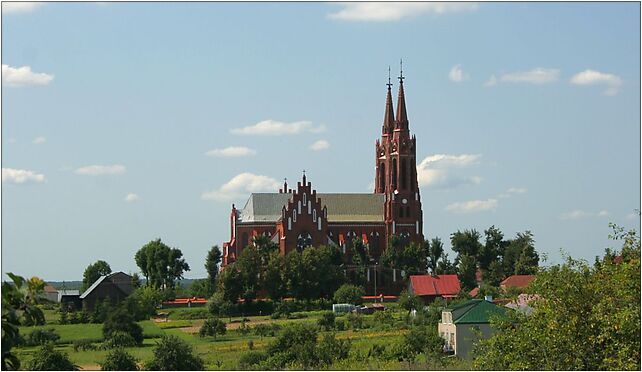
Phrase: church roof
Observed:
(266, 207)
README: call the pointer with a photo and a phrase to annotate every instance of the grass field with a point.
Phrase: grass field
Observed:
(223, 353)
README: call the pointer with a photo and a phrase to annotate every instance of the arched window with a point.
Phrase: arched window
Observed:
(404, 174)
(314, 215)
(299, 207)
(294, 215)
(305, 199)
(394, 174)
(382, 177)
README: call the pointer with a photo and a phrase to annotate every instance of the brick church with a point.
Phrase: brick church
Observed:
(299, 218)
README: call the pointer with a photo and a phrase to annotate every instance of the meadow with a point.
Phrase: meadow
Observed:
(224, 351)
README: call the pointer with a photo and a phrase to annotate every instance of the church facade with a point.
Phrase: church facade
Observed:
(301, 217)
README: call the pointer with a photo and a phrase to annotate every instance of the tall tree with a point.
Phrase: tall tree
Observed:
(160, 264)
(435, 251)
(466, 242)
(467, 270)
(445, 266)
(212, 262)
(93, 272)
(492, 249)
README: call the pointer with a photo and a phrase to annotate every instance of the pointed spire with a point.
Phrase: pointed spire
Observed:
(304, 178)
(388, 117)
(402, 116)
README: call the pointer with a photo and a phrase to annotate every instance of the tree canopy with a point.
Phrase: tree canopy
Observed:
(93, 272)
(160, 264)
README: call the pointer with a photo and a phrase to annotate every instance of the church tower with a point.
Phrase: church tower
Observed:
(396, 171)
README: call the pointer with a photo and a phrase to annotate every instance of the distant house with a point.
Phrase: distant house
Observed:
(50, 293)
(70, 298)
(464, 324)
(516, 281)
(115, 286)
(429, 287)
(474, 292)
(184, 302)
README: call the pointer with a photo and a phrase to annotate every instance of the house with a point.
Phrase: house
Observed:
(115, 286)
(462, 325)
(516, 281)
(50, 293)
(429, 287)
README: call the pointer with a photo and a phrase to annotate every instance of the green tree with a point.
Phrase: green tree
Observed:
(411, 258)
(327, 320)
(466, 243)
(47, 359)
(528, 260)
(445, 266)
(585, 318)
(409, 301)
(212, 327)
(212, 262)
(435, 252)
(121, 320)
(492, 249)
(161, 265)
(274, 282)
(93, 272)
(467, 271)
(349, 294)
(119, 360)
(19, 306)
(173, 354)
(230, 283)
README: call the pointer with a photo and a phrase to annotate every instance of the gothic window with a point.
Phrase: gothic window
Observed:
(404, 174)
(299, 207)
(382, 177)
(303, 241)
(314, 215)
(394, 174)
(305, 199)
(294, 215)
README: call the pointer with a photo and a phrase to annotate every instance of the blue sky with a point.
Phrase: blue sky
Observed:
(126, 122)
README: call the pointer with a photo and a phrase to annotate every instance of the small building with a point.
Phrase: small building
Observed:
(50, 293)
(516, 281)
(462, 325)
(184, 302)
(70, 298)
(429, 287)
(115, 286)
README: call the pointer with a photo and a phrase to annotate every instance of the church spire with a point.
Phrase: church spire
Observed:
(402, 116)
(388, 117)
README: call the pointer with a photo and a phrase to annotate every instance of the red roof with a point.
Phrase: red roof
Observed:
(194, 300)
(519, 281)
(474, 292)
(439, 285)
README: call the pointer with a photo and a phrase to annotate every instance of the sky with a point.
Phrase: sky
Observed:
(127, 122)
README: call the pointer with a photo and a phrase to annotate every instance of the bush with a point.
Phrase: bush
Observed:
(251, 360)
(41, 336)
(330, 349)
(340, 324)
(48, 359)
(119, 339)
(119, 360)
(250, 344)
(355, 321)
(243, 329)
(173, 354)
(83, 344)
(377, 351)
(349, 294)
(263, 330)
(212, 327)
(327, 320)
(122, 321)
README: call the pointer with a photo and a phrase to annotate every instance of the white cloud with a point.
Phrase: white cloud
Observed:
(19, 7)
(492, 81)
(394, 11)
(240, 186)
(517, 190)
(536, 76)
(592, 77)
(278, 128)
(440, 170)
(99, 170)
(457, 75)
(21, 176)
(320, 145)
(39, 140)
(131, 198)
(473, 206)
(232, 151)
(580, 214)
(14, 77)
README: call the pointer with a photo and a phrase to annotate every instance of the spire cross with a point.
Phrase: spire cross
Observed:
(389, 84)
(401, 70)
(304, 172)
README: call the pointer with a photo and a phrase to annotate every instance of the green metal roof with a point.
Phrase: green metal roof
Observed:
(266, 207)
(475, 311)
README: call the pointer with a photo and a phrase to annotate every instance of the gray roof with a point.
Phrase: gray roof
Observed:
(93, 286)
(266, 207)
(124, 285)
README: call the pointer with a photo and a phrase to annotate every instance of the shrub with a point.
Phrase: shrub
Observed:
(212, 327)
(250, 344)
(83, 344)
(119, 339)
(173, 354)
(101, 311)
(340, 324)
(355, 321)
(263, 330)
(243, 329)
(122, 321)
(296, 344)
(349, 294)
(48, 359)
(327, 320)
(330, 349)
(119, 360)
(377, 351)
(251, 360)
(41, 337)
